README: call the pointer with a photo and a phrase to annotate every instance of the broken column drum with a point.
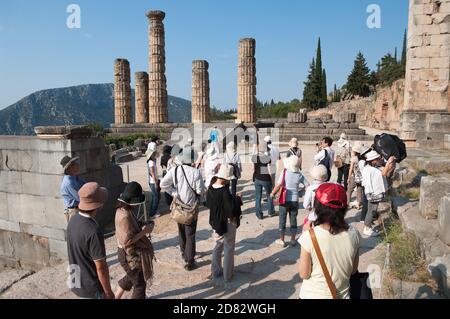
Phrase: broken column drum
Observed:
(141, 94)
(158, 112)
(200, 92)
(122, 92)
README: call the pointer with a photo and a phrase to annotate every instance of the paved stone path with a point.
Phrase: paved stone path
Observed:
(262, 269)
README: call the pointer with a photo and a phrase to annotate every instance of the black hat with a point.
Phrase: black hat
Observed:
(67, 161)
(132, 194)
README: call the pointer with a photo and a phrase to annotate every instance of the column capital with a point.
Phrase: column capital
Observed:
(156, 15)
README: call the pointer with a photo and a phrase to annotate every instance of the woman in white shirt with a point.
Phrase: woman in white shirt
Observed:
(232, 158)
(338, 242)
(211, 165)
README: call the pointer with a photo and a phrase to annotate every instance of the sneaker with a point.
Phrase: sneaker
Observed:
(155, 216)
(281, 243)
(361, 222)
(370, 232)
(354, 204)
(190, 267)
(293, 243)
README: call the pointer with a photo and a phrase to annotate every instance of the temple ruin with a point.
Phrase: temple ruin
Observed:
(157, 66)
(426, 118)
(122, 92)
(141, 95)
(247, 81)
(200, 92)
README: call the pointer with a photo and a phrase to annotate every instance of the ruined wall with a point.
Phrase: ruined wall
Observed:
(32, 223)
(382, 110)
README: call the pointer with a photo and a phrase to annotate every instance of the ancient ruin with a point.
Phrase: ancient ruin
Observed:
(247, 81)
(141, 94)
(157, 67)
(200, 92)
(122, 92)
(426, 117)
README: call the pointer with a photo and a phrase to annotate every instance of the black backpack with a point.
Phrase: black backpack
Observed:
(326, 161)
(388, 145)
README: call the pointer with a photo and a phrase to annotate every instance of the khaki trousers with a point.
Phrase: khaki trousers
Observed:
(225, 244)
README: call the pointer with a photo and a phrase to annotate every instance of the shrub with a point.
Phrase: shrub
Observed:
(127, 140)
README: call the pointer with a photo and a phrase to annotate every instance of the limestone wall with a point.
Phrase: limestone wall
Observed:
(32, 223)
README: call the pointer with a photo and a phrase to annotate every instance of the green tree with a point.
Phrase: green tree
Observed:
(390, 70)
(403, 60)
(358, 80)
(311, 89)
(324, 88)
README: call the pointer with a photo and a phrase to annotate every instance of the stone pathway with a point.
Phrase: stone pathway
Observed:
(262, 269)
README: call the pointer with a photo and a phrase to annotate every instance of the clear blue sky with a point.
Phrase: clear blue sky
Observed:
(38, 51)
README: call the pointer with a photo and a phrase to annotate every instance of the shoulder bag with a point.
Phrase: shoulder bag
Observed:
(183, 213)
(359, 288)
(281, 198)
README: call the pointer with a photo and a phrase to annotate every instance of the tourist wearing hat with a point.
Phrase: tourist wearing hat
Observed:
(70, 185)
(211, 165)
(153, 182)
(319, 175)
(188, 188)
(294, 150)
(374, 181)
(224, 218)
(364, 150)
(135, 250)
(293, 181)
(86, 246)
(263, 180)
(232, 158)
(338, 243)
(274, 156)
(325, 155)
(342, 161)
(355, 177)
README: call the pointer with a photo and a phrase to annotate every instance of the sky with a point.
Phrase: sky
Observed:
(38, 51)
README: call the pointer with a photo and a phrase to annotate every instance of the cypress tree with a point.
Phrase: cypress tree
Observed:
(310, 97)
(359, 78)
(319, 75)
(395, 54)
(403, 61)
(324, 88)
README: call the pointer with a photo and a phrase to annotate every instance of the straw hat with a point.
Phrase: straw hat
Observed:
(293, 142)
(292, 163)
(225, 172)
(267, 139)
(133, 194)
(92, 196)
(150, 153)
(67, 161)
(319, 173)
(357, 147)
(372, 155)
(343, 136)
(187, 156)
(231, 147)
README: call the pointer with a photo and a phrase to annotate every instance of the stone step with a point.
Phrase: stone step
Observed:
(322, 131)
(319, 137)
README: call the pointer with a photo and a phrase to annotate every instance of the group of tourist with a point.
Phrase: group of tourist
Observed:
(326, 235)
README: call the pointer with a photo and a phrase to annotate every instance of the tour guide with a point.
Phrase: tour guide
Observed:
(70, 185)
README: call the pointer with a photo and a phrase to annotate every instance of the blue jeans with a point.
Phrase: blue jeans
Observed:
(259, 185)
(155, 200)
(292, 209)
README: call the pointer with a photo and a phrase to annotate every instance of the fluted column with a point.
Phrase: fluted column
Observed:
(157, 62)
(141, 96)
(122, 92)
(200, 92)
(247, 81)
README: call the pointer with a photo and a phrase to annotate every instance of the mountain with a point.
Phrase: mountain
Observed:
(90, 103)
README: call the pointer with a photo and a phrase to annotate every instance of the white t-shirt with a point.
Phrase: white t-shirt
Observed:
(274, 157)
(152, 167)
(339, 252)
(373, 181)
(308, 200)
(321, 155)
(210, 170)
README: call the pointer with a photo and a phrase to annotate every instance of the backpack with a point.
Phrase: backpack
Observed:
(388, 145)
(236, 170)
(326, 162)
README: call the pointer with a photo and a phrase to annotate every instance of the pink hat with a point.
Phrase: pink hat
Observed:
(92, 196)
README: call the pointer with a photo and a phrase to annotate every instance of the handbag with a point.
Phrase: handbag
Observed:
(359, 289)
(281, 198)
(339, 162)
(180, 212)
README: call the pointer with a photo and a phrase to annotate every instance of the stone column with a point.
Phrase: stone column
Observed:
(141, 95)
(157, 62)
(247, 81)
(122, 92)
(426, 118)
(200, 92)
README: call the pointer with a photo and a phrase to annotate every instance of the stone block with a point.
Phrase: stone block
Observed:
(422, 19)
(444, 219)
(446, 142)
(419, 63)
(6, 246)
(28, 209)
(58, 248)
(432, 189)
(10, 182)
(9, 226)
(51, 233)
(440, 63)
(440, 271)
(41, 185)
(3, 206)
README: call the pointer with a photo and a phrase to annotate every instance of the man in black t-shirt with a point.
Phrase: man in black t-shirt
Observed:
(263, 180)
(88, 270)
